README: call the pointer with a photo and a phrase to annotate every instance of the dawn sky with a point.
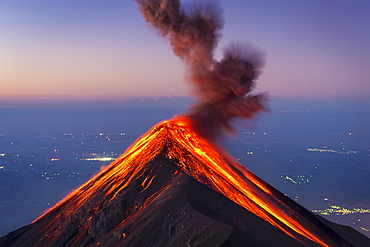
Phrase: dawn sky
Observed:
(87, 50)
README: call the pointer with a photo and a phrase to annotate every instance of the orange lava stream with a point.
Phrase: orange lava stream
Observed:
(226, 176)
(110, 182)
(197, 158)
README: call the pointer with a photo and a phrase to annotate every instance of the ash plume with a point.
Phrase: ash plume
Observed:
(223, 89)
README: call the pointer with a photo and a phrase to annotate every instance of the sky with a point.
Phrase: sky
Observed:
(104, 50)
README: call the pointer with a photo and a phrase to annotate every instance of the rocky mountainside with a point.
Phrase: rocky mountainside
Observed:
(172, 188)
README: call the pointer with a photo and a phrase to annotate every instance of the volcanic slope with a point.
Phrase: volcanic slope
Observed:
(172, 188)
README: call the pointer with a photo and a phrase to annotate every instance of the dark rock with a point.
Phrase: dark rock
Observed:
(153, 195)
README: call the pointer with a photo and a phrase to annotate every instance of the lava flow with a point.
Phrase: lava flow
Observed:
(190, 155)
(174, 187)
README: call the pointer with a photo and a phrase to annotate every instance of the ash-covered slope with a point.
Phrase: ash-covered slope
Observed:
(171, 188)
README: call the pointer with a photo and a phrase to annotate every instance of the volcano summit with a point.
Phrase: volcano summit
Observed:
(173, 188)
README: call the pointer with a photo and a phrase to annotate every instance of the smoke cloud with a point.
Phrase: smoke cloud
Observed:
(223, 89)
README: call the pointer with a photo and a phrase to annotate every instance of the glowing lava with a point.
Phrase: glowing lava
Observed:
(195, 157)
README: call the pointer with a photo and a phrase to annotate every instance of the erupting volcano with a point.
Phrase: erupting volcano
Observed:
(175, 186)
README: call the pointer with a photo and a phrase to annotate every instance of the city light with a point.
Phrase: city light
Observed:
(337, 210)
(330, 151)
(99, 159)
(299, 180)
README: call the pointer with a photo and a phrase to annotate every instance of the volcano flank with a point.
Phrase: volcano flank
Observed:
(173, 188)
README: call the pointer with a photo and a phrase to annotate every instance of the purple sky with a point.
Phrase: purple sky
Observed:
(86, 50)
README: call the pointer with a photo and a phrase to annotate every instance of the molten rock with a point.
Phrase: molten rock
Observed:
(172, 188)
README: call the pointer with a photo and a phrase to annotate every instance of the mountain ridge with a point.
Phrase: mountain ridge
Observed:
(172, 186)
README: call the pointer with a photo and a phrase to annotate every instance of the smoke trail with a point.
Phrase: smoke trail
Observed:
(222, 88)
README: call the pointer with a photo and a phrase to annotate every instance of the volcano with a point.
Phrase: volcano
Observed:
(173, 188)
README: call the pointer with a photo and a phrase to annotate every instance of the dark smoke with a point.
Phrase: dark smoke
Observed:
(222, 88)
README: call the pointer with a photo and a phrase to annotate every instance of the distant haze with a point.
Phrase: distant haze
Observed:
(94, 50)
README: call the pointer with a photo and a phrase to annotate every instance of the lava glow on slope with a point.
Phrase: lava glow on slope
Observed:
(195, 157)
